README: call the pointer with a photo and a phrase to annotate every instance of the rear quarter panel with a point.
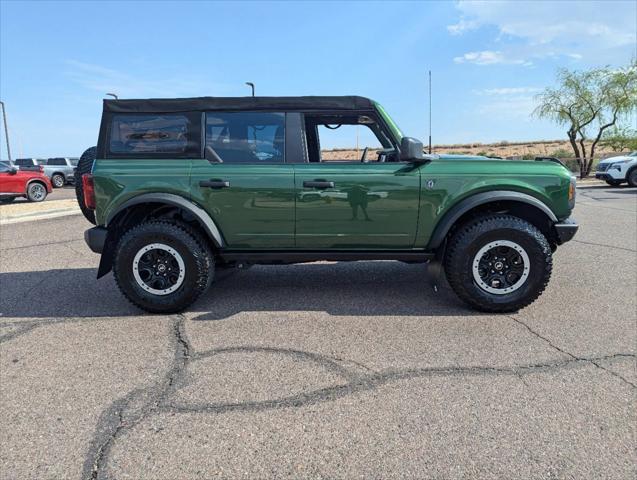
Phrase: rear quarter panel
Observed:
(445, 183)
(117, 181)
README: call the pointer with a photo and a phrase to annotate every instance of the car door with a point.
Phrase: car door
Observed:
(10, 182)
(244, 183)
(346, 203)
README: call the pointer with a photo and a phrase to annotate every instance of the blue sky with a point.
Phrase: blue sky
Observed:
(58, 59)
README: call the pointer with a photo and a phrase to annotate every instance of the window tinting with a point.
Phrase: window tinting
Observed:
(56, 161)
(150, 134)
(247, 137)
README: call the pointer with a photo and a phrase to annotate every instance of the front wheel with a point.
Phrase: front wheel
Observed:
(36, 192)
(498, 263)
(163, 267)
(632, 177)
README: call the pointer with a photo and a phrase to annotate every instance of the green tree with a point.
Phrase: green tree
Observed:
(588, 103)
(619, 138)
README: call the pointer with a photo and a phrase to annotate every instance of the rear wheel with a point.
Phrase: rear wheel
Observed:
(163, 267)
(36, 192)
(632, 177)
(84, 166)
(498, 263)
(57, 180)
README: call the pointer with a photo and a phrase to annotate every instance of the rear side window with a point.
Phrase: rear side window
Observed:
(246, 137)
(154, 135)
(56, 161)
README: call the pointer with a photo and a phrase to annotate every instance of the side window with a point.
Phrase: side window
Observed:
(344, 138)
(56, 161)
(246, 137)
(153, 135)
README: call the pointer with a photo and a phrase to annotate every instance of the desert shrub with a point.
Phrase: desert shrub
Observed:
(560, 153)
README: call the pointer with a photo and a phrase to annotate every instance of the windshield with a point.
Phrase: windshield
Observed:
(390, 123)
(633, 154)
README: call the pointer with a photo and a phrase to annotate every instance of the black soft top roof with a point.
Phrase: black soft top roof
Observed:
(168, 105)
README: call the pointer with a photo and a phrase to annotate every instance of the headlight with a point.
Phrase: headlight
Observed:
(618, 165)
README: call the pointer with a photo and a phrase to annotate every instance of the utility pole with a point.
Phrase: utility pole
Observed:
(251, 85)
(6, 129)
(430, 111)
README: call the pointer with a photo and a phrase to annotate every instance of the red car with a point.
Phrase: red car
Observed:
(14, 183)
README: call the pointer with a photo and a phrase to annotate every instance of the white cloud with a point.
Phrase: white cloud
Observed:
(490, 57)
(462, 26)
(596, 32)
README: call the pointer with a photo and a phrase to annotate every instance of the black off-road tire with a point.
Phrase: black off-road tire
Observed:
(193, 250)
(465, 244)
(614, 183)
(84, 166)
(58, 180)
(632, 177)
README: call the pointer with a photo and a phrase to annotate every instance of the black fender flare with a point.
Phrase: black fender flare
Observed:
(175, 200)
(108, 252)
(451, 217)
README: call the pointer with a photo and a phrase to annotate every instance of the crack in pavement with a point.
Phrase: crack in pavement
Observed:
(370, 382)
(604, 245)
(126, 412)
(21, 247)
(575, 357)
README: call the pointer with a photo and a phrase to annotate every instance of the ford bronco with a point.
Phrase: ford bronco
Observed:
(179, 187)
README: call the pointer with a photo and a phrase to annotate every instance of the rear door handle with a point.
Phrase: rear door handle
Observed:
(318, 184)
(214, 184)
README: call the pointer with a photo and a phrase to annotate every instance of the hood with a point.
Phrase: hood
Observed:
(619, 158)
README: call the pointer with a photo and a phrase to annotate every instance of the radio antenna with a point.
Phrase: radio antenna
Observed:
(429, 111)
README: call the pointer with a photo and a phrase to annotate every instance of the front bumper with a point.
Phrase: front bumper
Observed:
(611, 174)
(95, 238)
(566, 230)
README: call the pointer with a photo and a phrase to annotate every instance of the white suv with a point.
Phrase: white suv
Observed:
(616, 170)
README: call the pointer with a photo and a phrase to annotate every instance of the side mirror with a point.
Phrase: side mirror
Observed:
(13, 171)
(411, 150)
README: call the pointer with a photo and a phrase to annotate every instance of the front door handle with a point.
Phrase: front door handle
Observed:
(320, 184)
(214, 184)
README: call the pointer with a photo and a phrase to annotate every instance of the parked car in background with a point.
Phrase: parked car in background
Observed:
(30, 164)
(617, 170)
(61, 170)
(14, 183)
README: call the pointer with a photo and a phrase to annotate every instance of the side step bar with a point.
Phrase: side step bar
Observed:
(286, 257)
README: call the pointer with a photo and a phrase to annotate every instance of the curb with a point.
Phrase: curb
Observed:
(33, 216)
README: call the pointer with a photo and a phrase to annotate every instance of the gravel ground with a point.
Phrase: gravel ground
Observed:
(339, 370)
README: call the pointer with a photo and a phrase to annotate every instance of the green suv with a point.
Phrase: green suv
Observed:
(180, 187)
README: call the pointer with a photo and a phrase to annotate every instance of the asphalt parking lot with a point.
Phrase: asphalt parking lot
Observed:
(330, 370)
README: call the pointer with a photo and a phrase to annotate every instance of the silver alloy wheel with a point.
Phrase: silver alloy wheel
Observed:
(58, 181)
(37, 192)
(159, 269)
(501, 267)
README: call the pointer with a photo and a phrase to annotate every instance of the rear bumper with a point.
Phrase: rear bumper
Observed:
(566, 230)
(95, 238)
